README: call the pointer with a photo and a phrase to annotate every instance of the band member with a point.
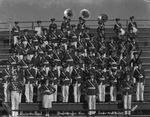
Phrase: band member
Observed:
(14, 87)
(133, 47)
(6, 77)
(30, 49)
(127, 93)
(90, 86)
(101, 47)
(65, 82)
(20, 72)
(16, 33)
(39, 28)
(112, 46)
(81, 25)
(76, 76)
(101, 80)
(140, 79)
(64, 37)
(118, 28)
(69, 59)
(132, 24)
(45, 36)
(113, 78)
(135, 61)
(57, 57)
(36, 59)
(29, 81)
(47, 90)
(53, 25)
(123, 62)
(122, 49)
(101, 29)
(25, 38)
(73, 36)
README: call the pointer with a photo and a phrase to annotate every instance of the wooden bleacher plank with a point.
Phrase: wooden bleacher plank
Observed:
(82, 106)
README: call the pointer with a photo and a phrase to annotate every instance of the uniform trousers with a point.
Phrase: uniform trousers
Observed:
(77, 92)
(55, 93)
(6, 93)
(113, 93)
(140, 91)
(101, 95)
(127, 103)
(70, 69)
(65, 93)
(15, 102)
(91, 104)
(58, 70)
(15, 40)
(29, 92)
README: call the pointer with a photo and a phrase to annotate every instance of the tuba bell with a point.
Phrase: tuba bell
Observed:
(85, 14)
(102, 18)
(68, 13)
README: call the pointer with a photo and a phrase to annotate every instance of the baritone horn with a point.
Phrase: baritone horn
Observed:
(69, 13)
(102, 18)
(85, 14)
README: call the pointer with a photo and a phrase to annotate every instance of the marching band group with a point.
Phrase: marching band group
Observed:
(52, 58)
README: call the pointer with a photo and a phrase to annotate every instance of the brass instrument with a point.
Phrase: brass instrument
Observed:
(69, 13)
(102, 18)
(85, 14)
(140, 75)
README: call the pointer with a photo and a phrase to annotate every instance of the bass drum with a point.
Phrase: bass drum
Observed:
(122, 31)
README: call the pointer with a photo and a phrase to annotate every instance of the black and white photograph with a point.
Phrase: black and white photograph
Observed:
(74, 58)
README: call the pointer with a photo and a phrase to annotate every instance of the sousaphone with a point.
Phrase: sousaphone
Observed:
(85, 14)
(69, 13)
(102, 18)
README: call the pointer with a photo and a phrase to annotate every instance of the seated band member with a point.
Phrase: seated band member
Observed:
(39, 28)
(127, 93)
(90, 86)
(118, 28)
(47, 90)
(53, 25)
(16, 33)
(140, 80)
(132, 24)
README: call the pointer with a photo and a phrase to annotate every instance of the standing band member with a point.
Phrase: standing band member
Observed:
(91, 89)
(77, 80)
(65, 83)
(46, 90)
(140, 79)
(127, 93)
(14, 87)
(6, 76)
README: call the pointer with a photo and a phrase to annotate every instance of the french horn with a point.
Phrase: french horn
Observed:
(85, 14)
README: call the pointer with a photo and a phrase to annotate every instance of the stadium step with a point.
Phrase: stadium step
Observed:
(145, 53)
(145, 59)
(145, 48)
